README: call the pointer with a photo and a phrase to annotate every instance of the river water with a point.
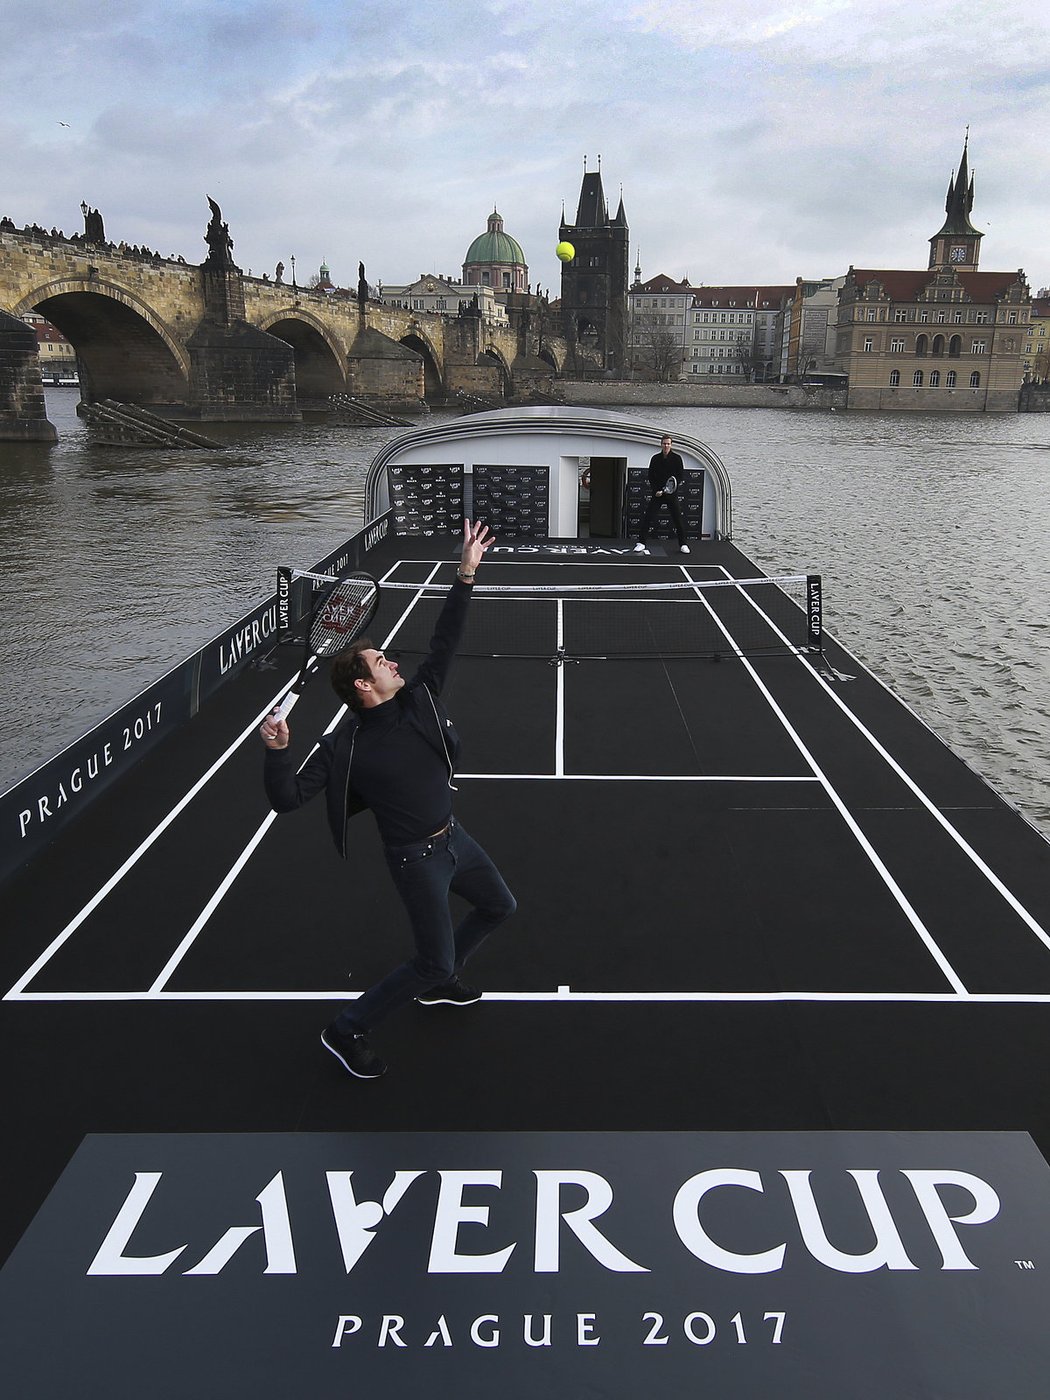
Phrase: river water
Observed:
(930, 532)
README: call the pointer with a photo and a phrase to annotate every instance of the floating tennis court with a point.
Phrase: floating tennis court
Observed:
(691, 802)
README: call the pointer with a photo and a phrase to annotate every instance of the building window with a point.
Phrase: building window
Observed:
(916, 378)
(924, 316)
(869, 344)
(935, 379)
(975, 380)
(873, 315)
(981, 318)
(957, 317)
(921, 344)
(895, 378)
(900, 314)
(949, 379)
(955, 347)
(897, 347)
(1012, 318)
(979, 347)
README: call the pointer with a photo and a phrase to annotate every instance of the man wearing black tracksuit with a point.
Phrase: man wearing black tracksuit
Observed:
(662, 465)
(395, 754)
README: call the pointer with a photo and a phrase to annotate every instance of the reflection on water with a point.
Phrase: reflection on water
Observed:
(929, 531)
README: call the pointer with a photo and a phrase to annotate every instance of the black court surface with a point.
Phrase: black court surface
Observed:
(756, 895)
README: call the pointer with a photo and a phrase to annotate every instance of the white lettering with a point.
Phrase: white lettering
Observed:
(391, 1328)
(548, 1214)
(442, 1332)
(450, 1214)
(24, 818)
(653, 1340)
(888, 1249)
(347, 1325)
(542, 1341)
(694, 1237)
(585, 1333)
(277, 1235)
(356, 1221)
(709, 1328)
(985, 1208)
(492, 1340)
(111, 1259)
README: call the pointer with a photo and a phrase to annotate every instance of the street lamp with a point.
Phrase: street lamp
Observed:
(292, 260)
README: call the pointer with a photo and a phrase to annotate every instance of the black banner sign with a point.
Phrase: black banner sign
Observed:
(795, 1265)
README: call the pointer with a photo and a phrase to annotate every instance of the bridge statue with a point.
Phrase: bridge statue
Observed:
(362, 285)
(217, 237)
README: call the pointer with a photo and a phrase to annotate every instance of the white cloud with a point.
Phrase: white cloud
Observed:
(751, 145)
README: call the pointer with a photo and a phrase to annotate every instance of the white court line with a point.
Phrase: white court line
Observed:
(559, 699)
(341, 994)
(227, 882)
(141, 850)
(1003, 890)
(641, 777)
(869, 850)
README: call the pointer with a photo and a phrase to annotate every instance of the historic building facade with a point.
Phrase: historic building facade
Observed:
(949, 338)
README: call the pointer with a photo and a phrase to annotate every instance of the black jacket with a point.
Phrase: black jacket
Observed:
(661, 467)
(331, 767)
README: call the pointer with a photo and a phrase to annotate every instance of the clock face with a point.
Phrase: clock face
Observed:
(957, 254)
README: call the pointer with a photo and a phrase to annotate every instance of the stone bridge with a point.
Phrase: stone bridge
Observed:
(210, 343)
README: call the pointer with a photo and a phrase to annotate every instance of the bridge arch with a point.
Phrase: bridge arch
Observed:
(125, 350)
(491, 355)
(434, 388)
(320, 363)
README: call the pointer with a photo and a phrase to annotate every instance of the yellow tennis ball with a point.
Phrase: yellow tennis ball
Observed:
(565, 251)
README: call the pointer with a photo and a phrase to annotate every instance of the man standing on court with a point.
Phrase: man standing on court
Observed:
(664, 465)
(395, 754)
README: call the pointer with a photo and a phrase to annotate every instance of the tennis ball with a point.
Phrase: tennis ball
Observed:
(565, 251)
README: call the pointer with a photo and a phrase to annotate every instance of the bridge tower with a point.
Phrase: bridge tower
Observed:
(594, 285)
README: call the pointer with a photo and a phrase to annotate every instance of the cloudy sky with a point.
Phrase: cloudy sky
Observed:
(752, 143)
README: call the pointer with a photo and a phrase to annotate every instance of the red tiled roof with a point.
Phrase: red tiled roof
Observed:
(902, 285)
(663, 283)
(755, 297)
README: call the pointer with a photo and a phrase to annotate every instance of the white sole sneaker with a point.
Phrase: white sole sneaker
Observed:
(684, 549)
(640, 549)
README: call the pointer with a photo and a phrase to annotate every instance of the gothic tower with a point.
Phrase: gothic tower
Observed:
(958, 244)
(594, 285)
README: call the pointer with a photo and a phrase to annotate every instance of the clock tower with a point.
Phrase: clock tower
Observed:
(958, 244)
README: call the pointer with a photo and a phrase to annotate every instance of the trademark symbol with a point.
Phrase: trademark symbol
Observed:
(1024, 1263)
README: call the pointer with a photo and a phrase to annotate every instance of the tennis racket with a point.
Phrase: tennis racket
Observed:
(670, 486)
(341, 615)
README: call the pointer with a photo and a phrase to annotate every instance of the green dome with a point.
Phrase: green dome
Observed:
(495, 246)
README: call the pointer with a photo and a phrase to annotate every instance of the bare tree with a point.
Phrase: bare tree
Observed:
(657, 350)
(749, 357)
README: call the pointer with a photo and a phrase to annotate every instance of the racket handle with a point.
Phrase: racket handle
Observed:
(283, 710)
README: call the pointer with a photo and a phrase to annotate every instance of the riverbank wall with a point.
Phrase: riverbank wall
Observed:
(612, 394)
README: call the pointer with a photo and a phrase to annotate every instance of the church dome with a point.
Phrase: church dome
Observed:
(495, 259)
(494, 245)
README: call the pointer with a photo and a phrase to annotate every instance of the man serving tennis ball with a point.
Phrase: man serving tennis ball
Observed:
(394, 753)
(664, 466)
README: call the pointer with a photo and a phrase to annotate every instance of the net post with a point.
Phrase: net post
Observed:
(814, 613)
(284, 605)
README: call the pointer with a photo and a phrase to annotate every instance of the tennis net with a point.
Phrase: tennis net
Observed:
(579, 622)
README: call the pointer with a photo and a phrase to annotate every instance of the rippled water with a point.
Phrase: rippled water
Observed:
(930, 533)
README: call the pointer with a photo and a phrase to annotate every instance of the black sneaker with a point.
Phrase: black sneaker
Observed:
(353, 1052)
(453, 993)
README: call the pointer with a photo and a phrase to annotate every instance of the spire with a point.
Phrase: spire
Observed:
(959, 200)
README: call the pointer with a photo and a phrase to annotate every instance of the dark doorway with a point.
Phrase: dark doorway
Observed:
(601, 497)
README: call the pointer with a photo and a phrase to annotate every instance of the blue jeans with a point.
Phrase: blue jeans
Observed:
(425, 873)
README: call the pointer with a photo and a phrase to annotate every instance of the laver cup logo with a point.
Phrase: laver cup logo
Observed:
(786, 1264)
